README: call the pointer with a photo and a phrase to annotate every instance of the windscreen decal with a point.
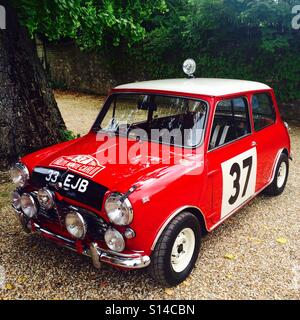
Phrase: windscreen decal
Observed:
(82, 164)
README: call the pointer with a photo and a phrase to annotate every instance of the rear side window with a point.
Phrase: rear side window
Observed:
(263, 111)
(231, 122)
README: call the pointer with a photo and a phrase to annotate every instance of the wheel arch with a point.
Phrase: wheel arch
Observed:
(279, 153)
(285, 151)
(193, 210)
(199, 215)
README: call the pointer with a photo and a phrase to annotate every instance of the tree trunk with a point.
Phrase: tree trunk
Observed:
(29, 115)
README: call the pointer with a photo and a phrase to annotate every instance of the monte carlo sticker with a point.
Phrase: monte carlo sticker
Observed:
(81, 164)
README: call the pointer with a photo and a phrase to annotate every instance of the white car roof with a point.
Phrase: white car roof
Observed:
(207, 87)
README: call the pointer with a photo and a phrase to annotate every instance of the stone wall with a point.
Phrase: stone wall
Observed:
(91, 72)
(291, 112)
(70, 68)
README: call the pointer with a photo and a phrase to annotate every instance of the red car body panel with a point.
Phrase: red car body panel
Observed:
(171, 188)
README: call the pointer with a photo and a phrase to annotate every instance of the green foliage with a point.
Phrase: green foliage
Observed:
(242, 39)
(90, 23)
(247, 39)
(68, 135)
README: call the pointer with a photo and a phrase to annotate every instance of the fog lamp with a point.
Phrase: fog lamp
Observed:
(16, 200)
(114, 240)
(76, 225)
(46, 198)
(28, 205)
(189, 67)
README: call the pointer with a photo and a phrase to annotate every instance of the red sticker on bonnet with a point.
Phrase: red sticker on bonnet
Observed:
(82, 164)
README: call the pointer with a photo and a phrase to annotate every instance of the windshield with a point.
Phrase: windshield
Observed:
(158, 118)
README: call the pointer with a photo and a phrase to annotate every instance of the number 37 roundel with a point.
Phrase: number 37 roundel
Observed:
(239, 180)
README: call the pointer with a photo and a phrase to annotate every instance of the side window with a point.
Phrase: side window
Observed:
(231, 122)
(263, 111)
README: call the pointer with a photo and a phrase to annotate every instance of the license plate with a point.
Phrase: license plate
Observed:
(70, 185)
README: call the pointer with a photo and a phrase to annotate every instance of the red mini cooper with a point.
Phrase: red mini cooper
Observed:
(165, 162)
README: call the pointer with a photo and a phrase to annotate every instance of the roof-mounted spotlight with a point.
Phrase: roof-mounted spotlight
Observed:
(189, 67)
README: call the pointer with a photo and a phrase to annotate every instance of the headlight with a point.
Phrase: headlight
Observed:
(16, 200)
(19, 175)
(119, 211)
(28, 205)
(114, 240)
(76, 225)
(46, 198)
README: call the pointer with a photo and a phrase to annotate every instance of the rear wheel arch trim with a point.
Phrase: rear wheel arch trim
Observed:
(288, 154)
(280, 152)
(192, 209)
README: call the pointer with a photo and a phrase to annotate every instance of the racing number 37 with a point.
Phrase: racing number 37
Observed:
(239, 180)
(236, 171)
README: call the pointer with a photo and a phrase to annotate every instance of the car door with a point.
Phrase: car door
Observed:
(231, 158)
(264, 118)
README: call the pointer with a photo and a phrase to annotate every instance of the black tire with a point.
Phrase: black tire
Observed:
(273, 190)
(161, 268)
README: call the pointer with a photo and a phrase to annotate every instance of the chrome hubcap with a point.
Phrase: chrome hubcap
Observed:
(281, 176)
(183, 250)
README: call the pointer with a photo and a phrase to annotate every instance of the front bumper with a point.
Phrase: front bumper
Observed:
(98, 255)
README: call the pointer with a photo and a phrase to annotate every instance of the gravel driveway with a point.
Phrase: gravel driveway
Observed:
(253, 255)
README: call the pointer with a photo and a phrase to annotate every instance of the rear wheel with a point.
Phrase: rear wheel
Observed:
(278, 184)
(177, 250)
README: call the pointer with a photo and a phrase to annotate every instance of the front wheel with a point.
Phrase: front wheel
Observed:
(277, 186)
(177, 250)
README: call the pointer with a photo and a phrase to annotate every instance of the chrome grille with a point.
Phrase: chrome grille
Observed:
(96, 225)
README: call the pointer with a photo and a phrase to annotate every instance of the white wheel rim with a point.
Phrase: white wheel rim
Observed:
(183, 250)
(281, 176)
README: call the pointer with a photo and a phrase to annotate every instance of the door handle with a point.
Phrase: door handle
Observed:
(253, 144)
